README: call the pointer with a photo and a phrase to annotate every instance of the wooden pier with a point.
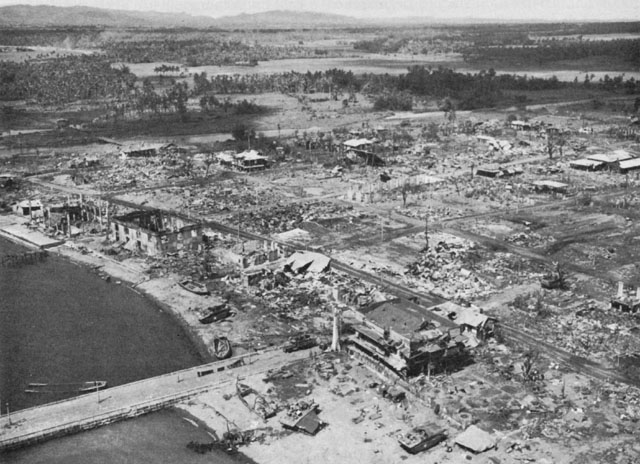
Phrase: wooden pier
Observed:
(34, 425)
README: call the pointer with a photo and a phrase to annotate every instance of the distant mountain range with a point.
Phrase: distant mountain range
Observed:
(286, 19)
(54, 16)
(79, 16)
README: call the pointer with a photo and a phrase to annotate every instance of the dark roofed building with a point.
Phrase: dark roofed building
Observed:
(406, 338)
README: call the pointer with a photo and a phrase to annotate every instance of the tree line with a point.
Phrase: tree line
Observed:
(470, 90)
(62, 80)
(627, 50)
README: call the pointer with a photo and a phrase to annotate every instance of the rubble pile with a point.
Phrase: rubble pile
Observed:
(138, 173)
(504, 268)
(529, 239)
(201, 265)
(142, 172)
(581, 326)
(441, 270)
(325, 369)
(434, 214)
(286, 217)
(216, 197)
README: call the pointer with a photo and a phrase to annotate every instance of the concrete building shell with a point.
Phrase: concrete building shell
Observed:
(154, 232)
(407, 339)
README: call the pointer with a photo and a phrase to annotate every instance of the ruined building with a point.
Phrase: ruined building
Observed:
(405, 338)
(154, 232)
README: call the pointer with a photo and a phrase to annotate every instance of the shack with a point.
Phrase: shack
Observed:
(497, 171)
(586, 164)
(362, 150)
(142, 150)
(226, 158)
(520, 125)
(610, 160)
(470, 319)
(32, 208)
(251, 160)
(629, 165)
(550, 186)
(7, 180)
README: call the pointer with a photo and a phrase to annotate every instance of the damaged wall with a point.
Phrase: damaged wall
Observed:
(154, 232)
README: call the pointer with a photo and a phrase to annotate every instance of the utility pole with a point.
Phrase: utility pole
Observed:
(238, 226)
(108, 224)
(426, 231)
(8, 413)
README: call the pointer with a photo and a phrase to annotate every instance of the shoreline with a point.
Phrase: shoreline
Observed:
(119, 271)
(98, 263)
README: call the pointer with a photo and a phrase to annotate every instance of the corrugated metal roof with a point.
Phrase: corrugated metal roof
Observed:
(586, 162)
(609, 157)
(550, 184)
(355, 143)
(628, 164)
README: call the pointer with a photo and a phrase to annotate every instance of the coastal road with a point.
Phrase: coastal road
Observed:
(98, 408)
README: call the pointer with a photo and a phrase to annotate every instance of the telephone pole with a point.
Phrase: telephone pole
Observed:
(426, 231)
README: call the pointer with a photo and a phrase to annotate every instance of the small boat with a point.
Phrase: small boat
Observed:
(261, 406)
(194, 287)
(215, 314)
(222, 347)
(76, 387)
(92, 385)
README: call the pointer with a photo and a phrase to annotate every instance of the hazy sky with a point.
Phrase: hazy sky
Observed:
(498, 9)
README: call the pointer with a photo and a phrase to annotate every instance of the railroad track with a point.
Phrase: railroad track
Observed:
(576, 363)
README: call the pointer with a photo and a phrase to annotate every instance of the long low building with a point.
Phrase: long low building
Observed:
(610, 160)
(629, 165)
(586, 164)
(247, 160)
(550, 186)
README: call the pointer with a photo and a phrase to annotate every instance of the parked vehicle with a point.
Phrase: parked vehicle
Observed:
(301, 342)
(422, 438)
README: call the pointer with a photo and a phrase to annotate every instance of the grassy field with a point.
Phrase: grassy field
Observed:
(358, 63)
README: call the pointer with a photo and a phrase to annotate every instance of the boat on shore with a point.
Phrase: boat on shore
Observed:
(194, 287)
(215, 314)
(222, 347)
(74, 387)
